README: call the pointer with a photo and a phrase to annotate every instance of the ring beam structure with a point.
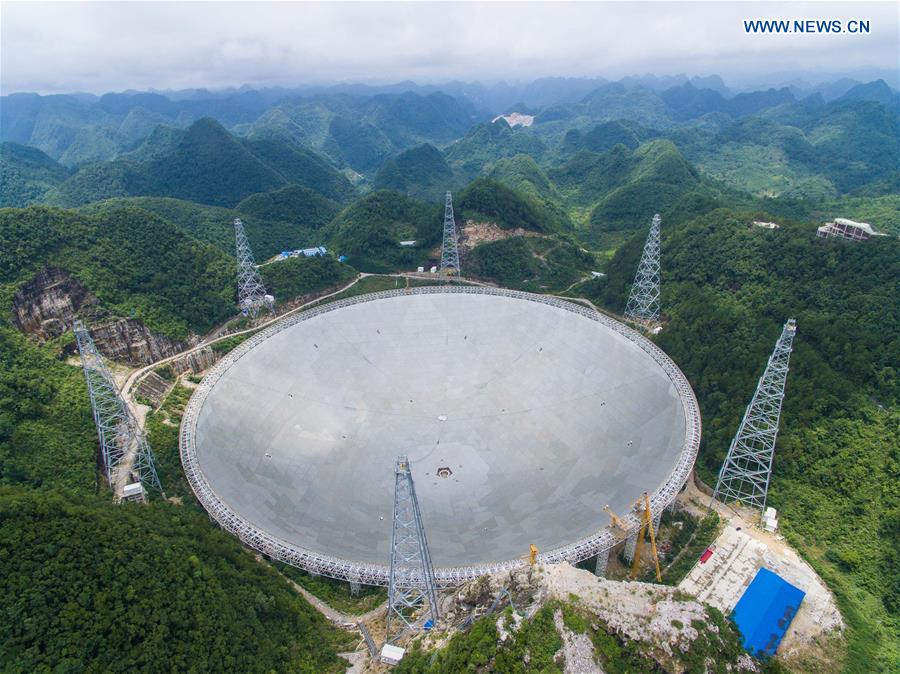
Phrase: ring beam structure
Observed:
(522, 415)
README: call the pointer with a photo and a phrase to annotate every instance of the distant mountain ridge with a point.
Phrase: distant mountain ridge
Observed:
(208, 165)
(76, 128)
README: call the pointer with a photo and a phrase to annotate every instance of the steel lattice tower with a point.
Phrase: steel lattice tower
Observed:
(124, 448)
(251, 291)
(747, 469)
(411, 582)
(450, 247)
(643, 301)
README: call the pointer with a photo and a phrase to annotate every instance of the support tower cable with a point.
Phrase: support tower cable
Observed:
(747, 469)
(125, 452)
(411, 583)
(252, 294)
(643, 301)
(450, 247)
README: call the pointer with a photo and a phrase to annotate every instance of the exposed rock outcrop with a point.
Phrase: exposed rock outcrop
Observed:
(128, 340)
(153, 388)
(48, 305)
(196, 361)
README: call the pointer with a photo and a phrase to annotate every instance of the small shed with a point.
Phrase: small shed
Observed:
(134, 492)
(391, 655)
(764, 612)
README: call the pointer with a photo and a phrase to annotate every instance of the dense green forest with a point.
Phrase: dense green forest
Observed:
(47, 437)
(87, 586)
(727, 289)
(27, 175)
(536, 264)
(370, 230)
(207, 165)
(420, 172)
(127, 258)
(294, 204)
(299, 276)
(487, 199)
(213, 224)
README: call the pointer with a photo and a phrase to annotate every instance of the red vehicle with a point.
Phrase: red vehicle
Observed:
(707, 554)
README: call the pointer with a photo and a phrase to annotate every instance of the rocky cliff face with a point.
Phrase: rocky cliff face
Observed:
(128, 340)
(51, 302)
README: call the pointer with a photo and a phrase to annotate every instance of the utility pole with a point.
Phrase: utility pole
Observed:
(251, 291)
(411, 583)
(126, 454)
(643, 301)
(449, 247)
(747, 470)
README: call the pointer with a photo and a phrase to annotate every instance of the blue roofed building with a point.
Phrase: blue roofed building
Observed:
(764, 612)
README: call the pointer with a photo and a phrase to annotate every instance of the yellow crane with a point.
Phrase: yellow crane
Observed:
(617, 522)
(531, 557)
(646, 523)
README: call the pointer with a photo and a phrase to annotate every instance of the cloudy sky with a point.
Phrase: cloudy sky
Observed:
(98, 47)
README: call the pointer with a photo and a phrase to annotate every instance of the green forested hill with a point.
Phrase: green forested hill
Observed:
(101, 180)
(523, 174)
(487, 143)
(604, 137)
(292, 204)
(92, 586)
(204, 164)
(357, 144)
(360, 131)
(727, 288)
(487, 199)
(136, 263)
(531, 263)
(297, 276)
(420, 172)
(210, 166)
(47, 437)
(370, 230)
(161, 141)
(298, 165)
(27, 175)
(213, 224)
(658, 176)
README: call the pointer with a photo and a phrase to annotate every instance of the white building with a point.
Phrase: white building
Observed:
(134, 492)
(843, 228)
(317, 251)
(391, 655)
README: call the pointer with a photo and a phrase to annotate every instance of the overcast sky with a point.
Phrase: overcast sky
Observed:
(99, 47)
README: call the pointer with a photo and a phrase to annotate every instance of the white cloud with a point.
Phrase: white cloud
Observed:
(100, 47)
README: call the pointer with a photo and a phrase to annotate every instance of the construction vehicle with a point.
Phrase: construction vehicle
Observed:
(646, 523)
